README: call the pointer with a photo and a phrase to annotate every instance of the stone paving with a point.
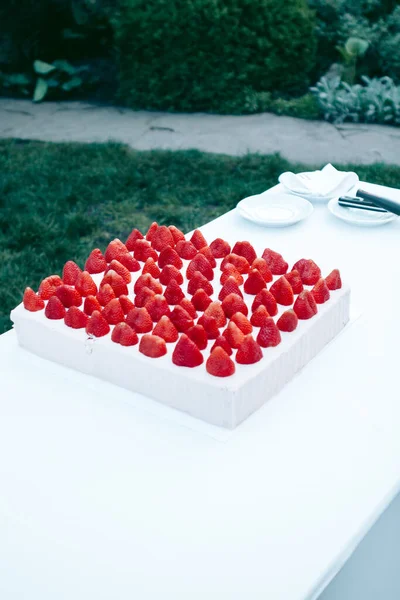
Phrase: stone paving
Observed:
(311, 142)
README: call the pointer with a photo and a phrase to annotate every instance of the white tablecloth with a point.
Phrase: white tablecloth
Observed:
(101, 499)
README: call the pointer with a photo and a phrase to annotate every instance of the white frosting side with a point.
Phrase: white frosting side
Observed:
(220, 401)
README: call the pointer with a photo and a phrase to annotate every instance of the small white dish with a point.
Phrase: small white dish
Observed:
(319, 186)
(356, 216)
(274, 210)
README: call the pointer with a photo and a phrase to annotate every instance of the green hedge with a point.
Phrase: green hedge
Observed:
(212, 54)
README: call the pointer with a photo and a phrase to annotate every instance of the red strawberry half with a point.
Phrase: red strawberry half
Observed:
(129, 262)
(152, 346)
(124, 334)
(177, 234)
(96, 263)
(220, 248)
(295, 281)
(181, 319)
(254, 283)
(170, 272)
(282, 291)
(162, 238)
(48, 287)
(188, 306)
(105, 294)
(321, 292)
(231, 271)
(266, 299)
(198, 240)
(150, 266)
(222, 342)
(245, 249)
(97, 325)
(169, 256)
(269, 335)
(85, 284)
(229, 287)
(241, 264)
(173, 293)
(186, 353)
(166, 329)
(140, 320)
(308, 270)
(197, 282)
(200, 263)
(114, 249)
(275, 262)
(147, 280)
(116, 281)
(68, 295)
(186, 249)
(210, 326)
(287, 321)
(113, 313)
(198, 335)
(249, 351)
(132, 238)
(234, 303)
(32, 301)
(233, 335)
(126, 304)
(305, 306)
(116, 266)
(201, 300)
(261, 265)
(142, 296)
(333, 281)
(259, 315)
(54, 309)
(215, 310)
(70, 272)
(242, 322)
(151, 231)
(219, 363)
(157, 306)
(91, 304)
(75, 318)
(143, 251)
(209, 256)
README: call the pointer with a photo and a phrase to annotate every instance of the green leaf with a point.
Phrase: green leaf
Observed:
(40, 89)
(356, 46)
(65, 66)
(71, 84)
(42, 68)
(19, 79)
(80, 15)
(53, 82)
(70, 34)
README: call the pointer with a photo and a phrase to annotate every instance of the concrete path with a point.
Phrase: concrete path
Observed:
(311, 142)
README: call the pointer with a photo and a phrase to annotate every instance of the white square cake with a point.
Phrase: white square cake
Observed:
(276, 354)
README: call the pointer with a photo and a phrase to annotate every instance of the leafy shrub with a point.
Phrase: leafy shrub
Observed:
(375, 21)
(212, 54)
(78, 31)
(378, 101)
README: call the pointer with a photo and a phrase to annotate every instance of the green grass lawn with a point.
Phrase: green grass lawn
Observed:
(59, 201)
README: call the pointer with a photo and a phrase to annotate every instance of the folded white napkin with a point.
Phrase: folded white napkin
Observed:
(327, 183)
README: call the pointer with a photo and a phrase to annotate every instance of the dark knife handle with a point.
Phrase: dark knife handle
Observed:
(386, 203)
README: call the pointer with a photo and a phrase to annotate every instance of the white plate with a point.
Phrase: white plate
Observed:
(274, 210)
(356, 216)
(315, 177)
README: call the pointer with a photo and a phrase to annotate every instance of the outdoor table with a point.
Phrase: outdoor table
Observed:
(105, 498)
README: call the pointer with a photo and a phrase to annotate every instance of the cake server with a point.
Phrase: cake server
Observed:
(385, 203)
(349, 202)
